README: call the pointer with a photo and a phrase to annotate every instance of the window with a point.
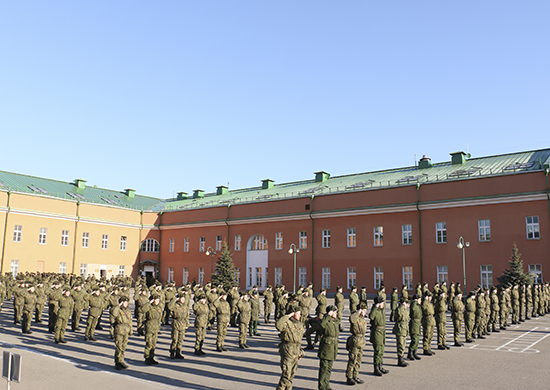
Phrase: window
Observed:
(486, 276)
(258, 276)
(64, 238)
(278, 240)
(186, 244)
(408, 277)
(42, 236)
(14, 267)
(406, 234)
(302, 276)
(17, 233)
(441, 232)
(352, 243)
(326, 278)
(238, 276)
(185, 275)
(249, 276)
(352, 277)
(62, 268)
(219, 243)
(378, 236)
(378, 277)
(303, 239)
(85, 240)
(170, 274)
(442, 273)
(532, 224)
(202, 244)
(123, 242)
(278, 276)
(105, 241)
(536, 271)
(84, 270)
(259, 243)
(326, 238)
(484, 226)
(201, 276)
(121, 270)
(150, 245)
(237, 242)
(171, 248)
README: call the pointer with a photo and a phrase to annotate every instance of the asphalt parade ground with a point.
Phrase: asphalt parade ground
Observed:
(517, 358)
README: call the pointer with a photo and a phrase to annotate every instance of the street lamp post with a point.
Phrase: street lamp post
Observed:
(211, 251)
(294, 250)
(463, 245)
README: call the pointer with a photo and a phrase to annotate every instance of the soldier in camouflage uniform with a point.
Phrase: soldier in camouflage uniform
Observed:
(79, 298)
(358, 329)
(328, 348)
(180, 313)
(254, 314)
(353, 300)
(95, 303)
(244, 318)
(377, 318)
(394, 302)
(233, 299)
(123, 329)
(268, 303)
(169, 294)
(291, 329)
(321, 308)
(457, 315)
(200, 308)
(440, 309)
(65, 309)
(401, 330)
(469, 317)
(28, 308)
(223, 313)
(428, 323)
(339, 303)
(40, 292)
(415, 314)
(153, 316)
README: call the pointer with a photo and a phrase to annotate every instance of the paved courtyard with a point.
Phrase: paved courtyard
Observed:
(517, 358)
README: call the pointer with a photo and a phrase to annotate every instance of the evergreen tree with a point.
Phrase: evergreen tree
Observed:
(515, 274)
(225, 269)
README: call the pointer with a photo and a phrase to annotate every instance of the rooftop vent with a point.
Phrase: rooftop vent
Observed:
(321, 176)
(182, 195)
(425, 162)
(458, 158)
(267, 184)
(130, 193)
(80, 183)
(222, 190)
(198, 194)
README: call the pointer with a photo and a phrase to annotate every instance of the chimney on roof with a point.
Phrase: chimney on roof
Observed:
(130, 193)
(321, 176)
(198, 194)
(267, 184)
(458, 158)
(221, 190)
(182, 195)
(80, 183)
(425, 162)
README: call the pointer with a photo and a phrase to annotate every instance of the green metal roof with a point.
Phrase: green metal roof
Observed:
(506, 164)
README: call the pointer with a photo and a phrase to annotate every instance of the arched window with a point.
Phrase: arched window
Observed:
(259, 243)
(150, 245)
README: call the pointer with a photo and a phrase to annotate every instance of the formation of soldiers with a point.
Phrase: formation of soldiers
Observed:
(483, 310)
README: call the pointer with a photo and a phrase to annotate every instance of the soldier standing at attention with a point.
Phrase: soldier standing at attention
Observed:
(94, 312)
(480, 314)
(339, 302)
(328, 348)
(40, 301)
(113, 302)
(441, 320)
(358, 328)
(515, 304)
(223, 312)
(176, 307)
(321, 308)
(363, 295)
(244, 318)
(18, 302)
(123, 329)
(415, 314)
(469, 316)
(268, 303)
(394, 302)
(141, 300)
(254, 314)
(353, 300)
(169, 294)
(233, 298)
(457, 314)
(404, 293)
(522, 301)
(378, 334)
(53, 305)
(428, 323)
(292, 329)
(79, 303)
(65, 309)
(201, 319)
(29, 306)
(153, 316)
(401, 330)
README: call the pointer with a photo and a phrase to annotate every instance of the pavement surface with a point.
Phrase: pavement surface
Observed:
(517, 358)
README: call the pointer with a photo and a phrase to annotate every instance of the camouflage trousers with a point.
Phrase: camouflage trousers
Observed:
(200, 334)
(90, 326)
(457, 327)
(27, 318)
(415, 340)
(222, 332)
(469, 325)
(441, 333)
(178, 336)
(121, 341)
(355, 357)
(428, 334)
(75, 319)
(290, 353)
(400, 341)
(151, 337)
(60, 326)
(243, 328)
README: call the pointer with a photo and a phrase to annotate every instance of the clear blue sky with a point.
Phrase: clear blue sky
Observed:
(168, 96)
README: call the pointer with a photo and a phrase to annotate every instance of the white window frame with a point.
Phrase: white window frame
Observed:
(186, 244)
(85, 240)
(201, 276)
(171, 247)
(406, 235)
(185, 275)
(43, 236)
(441, 232)
(326, 278)
(378, 277)
(378, 232)
(84, 270)
(17, 233)
(533, 228)
(484, 229)
(170, 274)
(150, 245)
(121, 270)
(123, 243)
(486, 271)
(259, 276)
(202, 244)
(259, 243)
(352, 238)
(278, 276)
(238, 242)
(326, 238)
(64, 238)
(219, 241)
(62, 267)
(105, 241)
(536, 271)
(303, 239)
(14, 267)
(352, 277)
(408, 277)
(279, 241)
(442, 273)
(302, 276)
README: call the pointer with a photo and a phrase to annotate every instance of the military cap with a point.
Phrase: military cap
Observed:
(416, 296)
(331, 308)
(180, 295)
(155, 296)
(292, 308)
(323, 290)
(200, 296)
(378, 299)
(123, 299)
(363, 305)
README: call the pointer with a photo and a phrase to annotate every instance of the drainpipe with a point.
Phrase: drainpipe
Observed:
(546, 171)
(226, 219)
(76, 234)
(5, 234)
(312, 240)
(157, 276)
(419, 230)
(139, 241)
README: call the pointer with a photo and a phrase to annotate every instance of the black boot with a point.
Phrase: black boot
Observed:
(350, 382)
(410, 355)
(416, 356)
(382, 369)
(401, 362)
(172, 354)
(179, 355)
(118, 366)
(357, 380)
(377, 371)
(309, 346)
